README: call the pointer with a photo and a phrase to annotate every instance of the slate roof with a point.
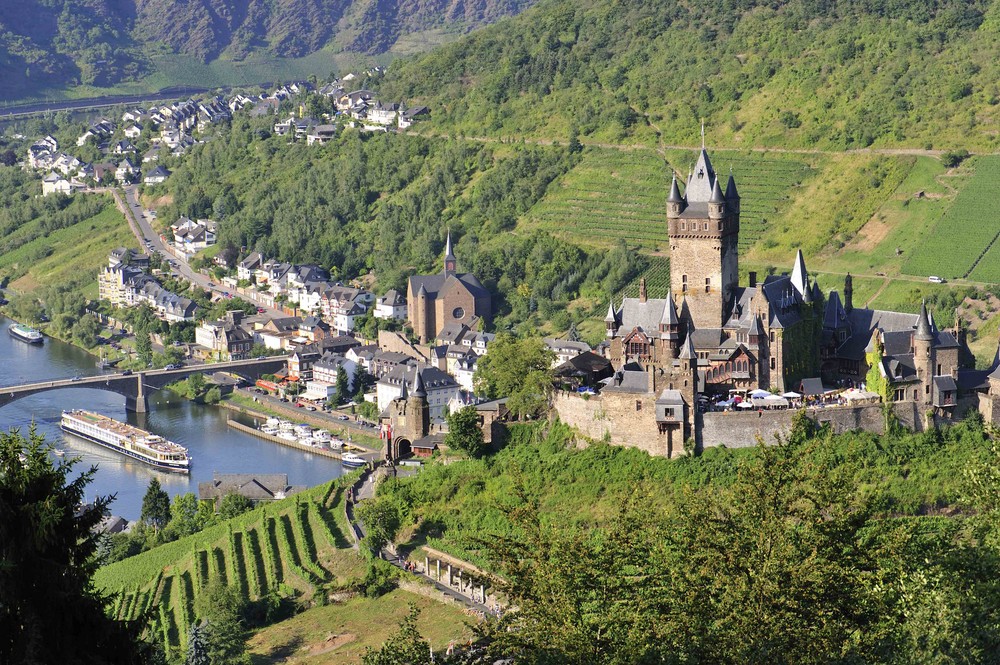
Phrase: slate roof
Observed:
(643, 315)
(434, 284)
(258, 487)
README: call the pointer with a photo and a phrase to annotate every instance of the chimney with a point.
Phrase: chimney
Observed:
(848, 293)
(753, 278)
(642, 289)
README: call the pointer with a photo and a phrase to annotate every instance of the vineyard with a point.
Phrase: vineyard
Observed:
(657, 274)
(614, 194)
(963, 243)
(765, 184)
(609, 195)
(289, 546)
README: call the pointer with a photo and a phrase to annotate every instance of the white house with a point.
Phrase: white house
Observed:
(565, 349)
(54, 183)
(156, 176)
(440, 387)
(391, 306)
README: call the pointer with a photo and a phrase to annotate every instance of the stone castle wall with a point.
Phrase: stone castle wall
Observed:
(614, 415)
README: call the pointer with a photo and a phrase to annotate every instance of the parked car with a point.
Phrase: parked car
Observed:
(934, 279)
(342, 417)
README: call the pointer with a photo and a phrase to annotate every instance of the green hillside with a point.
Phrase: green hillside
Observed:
(297, 550)
(837, 74)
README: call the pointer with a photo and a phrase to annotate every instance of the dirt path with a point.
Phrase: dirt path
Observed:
(869, 302)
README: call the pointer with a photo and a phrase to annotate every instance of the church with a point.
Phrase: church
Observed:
(712, 335)
(434, 301)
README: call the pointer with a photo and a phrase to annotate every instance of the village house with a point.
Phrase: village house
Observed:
(565, 349)
(391, 306)
(440, 387)
(225, 339)
(157, 176)
(247, 267)
(191, 236)
(260, 487)
(54, 183)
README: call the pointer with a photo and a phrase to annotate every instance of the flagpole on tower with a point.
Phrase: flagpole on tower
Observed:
(702, 133)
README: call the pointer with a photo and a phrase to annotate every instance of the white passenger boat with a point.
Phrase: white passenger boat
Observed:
(353, 460)
(126, 439)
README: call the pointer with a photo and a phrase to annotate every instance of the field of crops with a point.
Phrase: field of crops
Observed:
(963, 242)
(614, 194)
(609, 195)
(765, 184)
(275, 547)
(657, 275)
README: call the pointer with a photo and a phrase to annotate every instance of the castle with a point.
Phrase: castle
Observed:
(712, 335)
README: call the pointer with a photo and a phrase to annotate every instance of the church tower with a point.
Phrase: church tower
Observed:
(449, 258)
(704, 226)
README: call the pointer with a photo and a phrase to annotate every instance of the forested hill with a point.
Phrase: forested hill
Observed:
(52, 43)
(802, 73)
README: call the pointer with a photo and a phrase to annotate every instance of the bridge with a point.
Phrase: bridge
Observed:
(137, 387)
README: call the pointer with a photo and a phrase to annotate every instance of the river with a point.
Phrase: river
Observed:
(212, 444)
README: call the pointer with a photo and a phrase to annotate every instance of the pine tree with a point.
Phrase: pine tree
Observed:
(49, 610)
(155, 505)
(343, 392)
(197, 651)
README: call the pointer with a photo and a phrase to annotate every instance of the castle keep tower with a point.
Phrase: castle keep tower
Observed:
(704, 227)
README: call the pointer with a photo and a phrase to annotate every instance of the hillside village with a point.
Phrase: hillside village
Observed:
(173, 129)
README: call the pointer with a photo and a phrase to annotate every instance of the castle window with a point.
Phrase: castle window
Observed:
(772, 337)
(915, 395)
(638, 405)
(708, 285)
(684, 283)
(772, 363)
(706, 226)
(939, 369)
(720, 226)
(927, 389)
(900, 396)
(684, 226)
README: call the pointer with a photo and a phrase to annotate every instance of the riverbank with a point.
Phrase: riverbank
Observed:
(236, 401)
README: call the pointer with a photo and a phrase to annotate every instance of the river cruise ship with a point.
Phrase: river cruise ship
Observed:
(24, 333)
(126, 439)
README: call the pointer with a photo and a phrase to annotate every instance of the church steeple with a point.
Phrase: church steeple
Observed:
(449, 258)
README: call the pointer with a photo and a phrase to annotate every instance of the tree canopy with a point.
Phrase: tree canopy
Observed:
(518, 369)
(49, 610)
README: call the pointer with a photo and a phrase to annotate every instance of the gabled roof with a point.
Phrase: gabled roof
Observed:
(702, 180)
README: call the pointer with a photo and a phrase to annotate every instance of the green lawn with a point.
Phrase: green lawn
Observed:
(339, 633)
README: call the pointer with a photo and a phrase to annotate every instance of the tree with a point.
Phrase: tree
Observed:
(196, 384)
(8, 157)
(50, 611)
(85, 331)
(213, 395)
(464, 432)
(519, 369)
(155, 505)
(404, 647)
(234, 504)
(382, 520)
(223, 609)
(197, 651)
(342, 392)
(143, 346)
(363, 380)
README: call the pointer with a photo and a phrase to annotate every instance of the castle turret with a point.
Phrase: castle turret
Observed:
(923, 355)
(611, 320)
(675, 203)
(669, 326)
(732, 195)
(717, 203)
(418, 411)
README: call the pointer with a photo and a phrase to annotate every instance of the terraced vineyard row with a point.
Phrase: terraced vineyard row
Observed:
(766, 185)
(609, 195)
(963, 242)
(257, 552)
(657, 276)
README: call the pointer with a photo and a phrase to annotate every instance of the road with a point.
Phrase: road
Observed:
(168, 94)
(147, 234)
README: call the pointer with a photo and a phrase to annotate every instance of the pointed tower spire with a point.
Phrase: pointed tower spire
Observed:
(449, 258)
(923, 332)
(612, 316)
(930, 321)
(669, 317)
(731, 192)
(675, 192)
(687, 349)
(418, 385)
(403, 393)
(799, 275)
(717, 196)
